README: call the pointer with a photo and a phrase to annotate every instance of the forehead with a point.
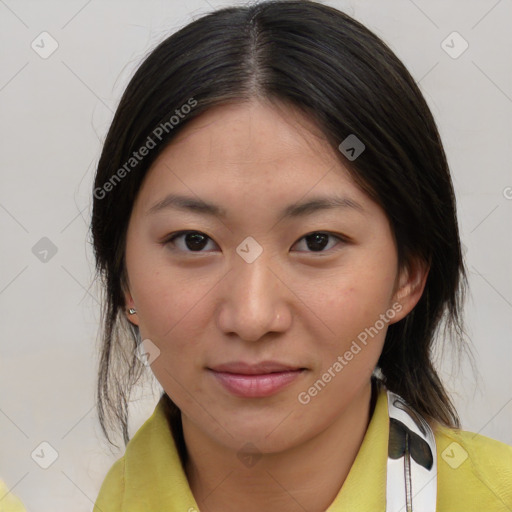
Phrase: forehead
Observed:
(256, 150)
(250, 132)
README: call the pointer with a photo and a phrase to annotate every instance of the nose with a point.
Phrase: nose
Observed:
(255, 299)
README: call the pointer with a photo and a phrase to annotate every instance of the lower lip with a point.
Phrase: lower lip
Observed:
(252, 386)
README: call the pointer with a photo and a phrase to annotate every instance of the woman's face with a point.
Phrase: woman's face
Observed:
(263, 279)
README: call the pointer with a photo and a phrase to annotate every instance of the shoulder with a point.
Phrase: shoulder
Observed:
(111, 492)
(474, 471)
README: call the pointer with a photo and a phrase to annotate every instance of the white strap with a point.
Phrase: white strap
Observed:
(412, 460)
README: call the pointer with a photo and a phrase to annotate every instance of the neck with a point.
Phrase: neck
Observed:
(278, 481)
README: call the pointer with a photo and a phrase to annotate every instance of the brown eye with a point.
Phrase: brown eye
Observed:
(318, 241)
(191, 241)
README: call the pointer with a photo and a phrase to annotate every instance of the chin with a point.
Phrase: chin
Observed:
(268, 436)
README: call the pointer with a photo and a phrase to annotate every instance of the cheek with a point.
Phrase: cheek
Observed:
(354, 300)
(174, 311)
(166, 296)
(354, 305)
(175, 316)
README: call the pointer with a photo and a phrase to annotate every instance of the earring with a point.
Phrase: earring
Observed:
(132, 311)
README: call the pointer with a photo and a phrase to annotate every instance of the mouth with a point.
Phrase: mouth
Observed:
(262, 368)
(257, 380)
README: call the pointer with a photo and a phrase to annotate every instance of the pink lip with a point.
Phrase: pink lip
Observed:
(251, 381)
(261, 368)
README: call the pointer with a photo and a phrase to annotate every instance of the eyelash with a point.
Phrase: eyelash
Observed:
(173, 236)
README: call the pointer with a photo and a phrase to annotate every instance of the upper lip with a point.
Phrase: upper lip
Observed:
(261, 368)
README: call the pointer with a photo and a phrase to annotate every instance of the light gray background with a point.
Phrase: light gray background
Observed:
(54, 115)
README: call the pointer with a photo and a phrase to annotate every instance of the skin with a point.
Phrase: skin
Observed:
(294, 303)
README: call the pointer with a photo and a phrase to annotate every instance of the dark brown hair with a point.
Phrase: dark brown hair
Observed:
(343, 76)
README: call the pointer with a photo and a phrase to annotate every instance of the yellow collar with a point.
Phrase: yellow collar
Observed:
(365, 485)
(155, 479)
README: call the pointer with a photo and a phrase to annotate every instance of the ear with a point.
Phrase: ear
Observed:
(129, 303)
(409, 287)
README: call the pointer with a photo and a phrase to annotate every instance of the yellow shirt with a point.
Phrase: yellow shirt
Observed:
(8, 501)
(474, 472)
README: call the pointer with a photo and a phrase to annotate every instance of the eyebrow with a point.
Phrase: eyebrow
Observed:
(192, 204)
